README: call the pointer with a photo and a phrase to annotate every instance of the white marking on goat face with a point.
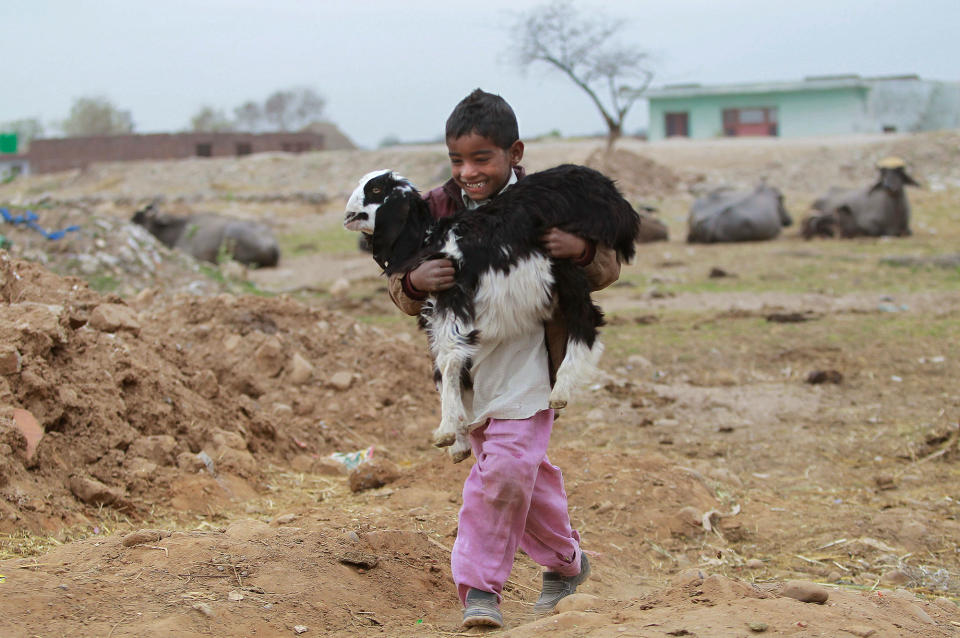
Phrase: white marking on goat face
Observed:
(371, 191)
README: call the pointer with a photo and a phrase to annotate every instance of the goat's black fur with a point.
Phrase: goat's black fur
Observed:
(573, 198)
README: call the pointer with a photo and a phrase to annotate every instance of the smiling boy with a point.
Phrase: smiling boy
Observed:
(514, 497)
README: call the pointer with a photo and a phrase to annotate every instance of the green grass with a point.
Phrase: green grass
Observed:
(104, 283)
(332, 239)
(243, 287)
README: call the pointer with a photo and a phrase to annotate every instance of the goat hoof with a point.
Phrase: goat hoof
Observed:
(459, 455)
(558, 404)
(444, 440)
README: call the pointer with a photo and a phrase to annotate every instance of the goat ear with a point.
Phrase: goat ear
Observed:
(909, 180)
(389, 224)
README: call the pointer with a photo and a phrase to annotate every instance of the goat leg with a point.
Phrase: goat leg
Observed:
(453, 419)
(460, 450)
(578, 367)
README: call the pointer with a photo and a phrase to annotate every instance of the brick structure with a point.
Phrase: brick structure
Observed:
(51, 155)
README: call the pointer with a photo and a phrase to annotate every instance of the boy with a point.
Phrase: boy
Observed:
(513, 497)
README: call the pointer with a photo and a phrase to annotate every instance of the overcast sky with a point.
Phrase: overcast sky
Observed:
(389, 68)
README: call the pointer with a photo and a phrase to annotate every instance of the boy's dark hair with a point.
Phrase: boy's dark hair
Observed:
(487, 115)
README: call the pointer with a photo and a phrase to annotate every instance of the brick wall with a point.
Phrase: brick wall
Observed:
(50, 155)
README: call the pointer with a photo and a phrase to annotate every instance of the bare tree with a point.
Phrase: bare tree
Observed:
(584, 47)
(293, 109)
(210, 120)
(96, 116)
(248, 117)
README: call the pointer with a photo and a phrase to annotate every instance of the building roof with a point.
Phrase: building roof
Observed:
(812, 83)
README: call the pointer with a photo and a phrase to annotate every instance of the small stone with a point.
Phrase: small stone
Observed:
(758, 627)
(920, 614)
(834, 576)
(113, 317)
(754, 563)
(93, 492)
(363, 560)
(269, 357)
(577, 602)
(203, 608)
(283, 519)
(372, 473)
(10, 360)
(688, 576)
(340, 288)
(30, 428)
(301, 629)
(144, 537)
(805, 592)
(248, 529)
(895, 577)
(884, 482)
(342, 380)
(604, 507)
(861, 631)
(300, 369)
(946, 603)
(159, 448)
(235, 596)
(230, 343)
(205, 384)
(824, 376)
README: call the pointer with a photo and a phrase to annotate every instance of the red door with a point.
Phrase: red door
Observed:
(677, 124)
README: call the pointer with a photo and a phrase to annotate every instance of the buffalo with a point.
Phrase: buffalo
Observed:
(728, 215)
(651, 228)
(209, 237)
(879, 209)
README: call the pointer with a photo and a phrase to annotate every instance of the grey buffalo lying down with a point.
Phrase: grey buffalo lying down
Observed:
(651, 228)
(206, 236)
(880, 209)
(728, 215)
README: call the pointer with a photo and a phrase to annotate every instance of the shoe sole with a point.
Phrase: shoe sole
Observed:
(481, 621)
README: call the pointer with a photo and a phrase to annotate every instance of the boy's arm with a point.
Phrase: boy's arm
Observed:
(405, 298)
(603, 269)
(408, 291)
(598, 261)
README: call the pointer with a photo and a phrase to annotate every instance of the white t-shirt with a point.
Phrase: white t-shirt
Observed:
(511, 379)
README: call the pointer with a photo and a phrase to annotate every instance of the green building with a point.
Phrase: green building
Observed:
(827, 105)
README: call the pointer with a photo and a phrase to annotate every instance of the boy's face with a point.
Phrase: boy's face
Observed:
(480, 167)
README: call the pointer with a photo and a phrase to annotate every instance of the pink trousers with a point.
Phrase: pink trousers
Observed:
(513, 497)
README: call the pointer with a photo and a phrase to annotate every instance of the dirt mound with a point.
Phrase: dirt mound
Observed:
(636, 176)
(134, 397)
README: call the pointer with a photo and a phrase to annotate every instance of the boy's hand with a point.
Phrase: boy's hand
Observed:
(432, 275)
(562, 245)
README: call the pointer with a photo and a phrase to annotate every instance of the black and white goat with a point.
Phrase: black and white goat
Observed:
(505, 280)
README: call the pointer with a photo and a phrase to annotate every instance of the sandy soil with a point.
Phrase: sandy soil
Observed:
(166, 436)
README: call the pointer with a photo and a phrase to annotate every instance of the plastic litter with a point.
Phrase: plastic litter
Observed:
(351, 460)
(30, 218)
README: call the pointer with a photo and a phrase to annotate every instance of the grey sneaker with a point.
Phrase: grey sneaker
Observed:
(483, 609)
(556, 587)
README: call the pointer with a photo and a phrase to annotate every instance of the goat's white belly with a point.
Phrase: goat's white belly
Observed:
(513, 303)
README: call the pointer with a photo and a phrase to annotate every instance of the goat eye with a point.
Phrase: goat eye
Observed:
(376, 190)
